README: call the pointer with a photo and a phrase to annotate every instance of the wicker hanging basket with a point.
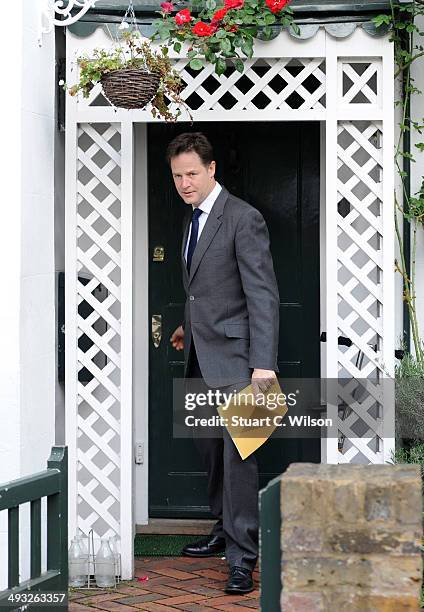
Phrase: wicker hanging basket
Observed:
(130, 87)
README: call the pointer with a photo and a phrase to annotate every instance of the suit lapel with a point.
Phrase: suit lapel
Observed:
(211, 227)
(186, 227)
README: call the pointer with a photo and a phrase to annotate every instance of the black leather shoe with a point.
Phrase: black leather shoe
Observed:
(239, 581)
(205, 548)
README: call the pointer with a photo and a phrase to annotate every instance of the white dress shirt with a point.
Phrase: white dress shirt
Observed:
(205, 207)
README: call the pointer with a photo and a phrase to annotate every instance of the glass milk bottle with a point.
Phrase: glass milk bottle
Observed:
(76, 563)
(105, 566)
(83, 544)
(114, 546)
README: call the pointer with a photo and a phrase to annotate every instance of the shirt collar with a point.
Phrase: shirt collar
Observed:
(209, 201)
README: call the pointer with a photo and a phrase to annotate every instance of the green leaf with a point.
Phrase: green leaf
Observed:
(269, 18)
(296, 28)
(196, 64)
(221, 34)
(225, 45)
(177, 47)
(192, 54)
(164, 34)
(381, 19)
(239, 65)
(210, 56)
(407, 155)
(267, 33)
(220, 66)
(247, 47)
(420, 146)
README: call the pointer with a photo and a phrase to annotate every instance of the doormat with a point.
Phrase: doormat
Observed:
(163, 545)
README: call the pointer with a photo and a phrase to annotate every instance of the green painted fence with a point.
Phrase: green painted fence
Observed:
(53, 484)
(270, 548)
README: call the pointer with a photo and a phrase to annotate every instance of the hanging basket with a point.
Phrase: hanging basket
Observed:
(130, 87)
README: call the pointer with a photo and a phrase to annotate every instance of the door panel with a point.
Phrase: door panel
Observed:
(274, 167)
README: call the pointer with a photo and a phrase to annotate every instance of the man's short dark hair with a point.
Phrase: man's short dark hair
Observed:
(191, 141)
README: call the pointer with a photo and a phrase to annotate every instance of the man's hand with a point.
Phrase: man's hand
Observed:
(262, 380)
(177, 339)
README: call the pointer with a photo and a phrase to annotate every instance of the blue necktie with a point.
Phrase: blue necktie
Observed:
(193, 235)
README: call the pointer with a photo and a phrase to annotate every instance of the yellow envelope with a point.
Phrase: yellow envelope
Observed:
(252, 424)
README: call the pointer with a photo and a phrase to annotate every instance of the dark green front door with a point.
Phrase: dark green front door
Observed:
(274, 167)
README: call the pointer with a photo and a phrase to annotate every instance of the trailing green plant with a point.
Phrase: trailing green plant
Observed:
(403, 24)
(221, 32)
(139, 54)
(409, 392)
(414, 454)
(408, 366)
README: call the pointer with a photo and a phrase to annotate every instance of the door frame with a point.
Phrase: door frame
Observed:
(339, 54)
(142, 256)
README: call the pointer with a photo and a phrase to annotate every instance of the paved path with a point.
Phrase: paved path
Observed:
(174, 583)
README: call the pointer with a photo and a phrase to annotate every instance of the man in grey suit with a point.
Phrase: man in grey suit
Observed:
(229, 335)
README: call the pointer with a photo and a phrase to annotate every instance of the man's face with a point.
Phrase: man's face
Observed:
(193, 180)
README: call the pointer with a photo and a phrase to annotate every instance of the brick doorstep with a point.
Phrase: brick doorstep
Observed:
(199, 588)
(188, 598)
(193, 607)
(211, 573)
(233, 608)
(111, 605)
(174, 573)
(174, 584)
(252, 604)
(226, 599)
(158, 607)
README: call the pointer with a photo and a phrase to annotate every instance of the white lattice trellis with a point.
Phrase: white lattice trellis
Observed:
(360, 82)
(103, 406)
(345, 83)
(360, 299)
(266, 84)
(359, 255)
(99, 260)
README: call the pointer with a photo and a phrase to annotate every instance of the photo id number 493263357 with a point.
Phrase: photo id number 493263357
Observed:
(28, 598)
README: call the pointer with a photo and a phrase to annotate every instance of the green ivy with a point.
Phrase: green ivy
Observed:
(405, 35)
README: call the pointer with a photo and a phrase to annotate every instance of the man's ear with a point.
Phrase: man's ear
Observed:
(211, 169)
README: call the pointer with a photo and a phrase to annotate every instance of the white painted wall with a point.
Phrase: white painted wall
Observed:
(417, 171)
(27, 307)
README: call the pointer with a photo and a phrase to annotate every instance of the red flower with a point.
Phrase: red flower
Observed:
(233, 28)
(219, 15)
(233, 4)
(276, 6)
(183, 17)
(167, 7)
(203, 29)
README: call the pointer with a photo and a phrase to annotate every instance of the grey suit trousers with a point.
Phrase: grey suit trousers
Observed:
(232, 487)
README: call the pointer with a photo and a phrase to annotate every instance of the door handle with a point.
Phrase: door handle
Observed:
(156, 329)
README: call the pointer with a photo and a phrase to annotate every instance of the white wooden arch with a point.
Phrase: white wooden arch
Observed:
(347, 84)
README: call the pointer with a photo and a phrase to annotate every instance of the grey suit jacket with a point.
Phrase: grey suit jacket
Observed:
(232, 306)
